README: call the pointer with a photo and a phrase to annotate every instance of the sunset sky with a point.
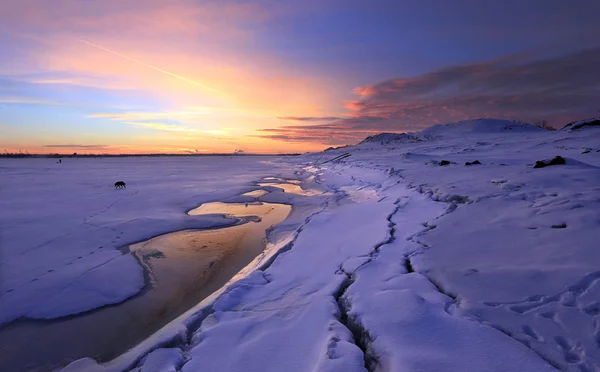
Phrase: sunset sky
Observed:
(141, 76)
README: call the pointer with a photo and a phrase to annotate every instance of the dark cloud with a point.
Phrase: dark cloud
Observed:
(313, 135)
(558, 90)
(309, 118)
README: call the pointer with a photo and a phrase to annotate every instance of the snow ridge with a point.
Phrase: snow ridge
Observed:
(592, 122)
(361, 335)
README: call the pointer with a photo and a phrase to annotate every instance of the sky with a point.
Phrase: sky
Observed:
(282, 76)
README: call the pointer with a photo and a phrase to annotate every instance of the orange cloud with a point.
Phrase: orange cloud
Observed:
(192, 57)
(161, 126)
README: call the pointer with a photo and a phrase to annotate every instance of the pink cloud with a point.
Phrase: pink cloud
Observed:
(558, 90)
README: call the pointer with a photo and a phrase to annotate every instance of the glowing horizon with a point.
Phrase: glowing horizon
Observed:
(277, 77)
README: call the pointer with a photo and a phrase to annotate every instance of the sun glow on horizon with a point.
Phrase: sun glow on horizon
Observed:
(271, 77)
(124, 87)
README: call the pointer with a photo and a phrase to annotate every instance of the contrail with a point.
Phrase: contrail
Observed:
(150, 66)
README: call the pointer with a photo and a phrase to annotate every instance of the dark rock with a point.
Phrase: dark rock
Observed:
(557, 160)
(560, 226)
(444, 162)
(476, 162)
(156, 254)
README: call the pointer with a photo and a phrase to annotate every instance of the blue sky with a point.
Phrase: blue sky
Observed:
(188, 75)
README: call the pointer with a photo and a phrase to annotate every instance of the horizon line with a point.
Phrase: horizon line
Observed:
(75, 155)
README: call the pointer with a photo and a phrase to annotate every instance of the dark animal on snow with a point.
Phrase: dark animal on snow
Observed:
(120, 185)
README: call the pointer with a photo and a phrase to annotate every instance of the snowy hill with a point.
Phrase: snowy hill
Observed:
(592, 122)
(386, 138)
(479, 126)
(461, 128)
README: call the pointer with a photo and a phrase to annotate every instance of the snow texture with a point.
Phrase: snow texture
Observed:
(404, 264)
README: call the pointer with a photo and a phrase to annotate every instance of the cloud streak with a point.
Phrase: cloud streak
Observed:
(558, 90)
(28, 101)
(78, 146)
(183, 78)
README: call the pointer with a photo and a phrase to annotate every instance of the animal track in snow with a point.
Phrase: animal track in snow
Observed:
(531, 333)
(592, 309)
(572, 353)
(568, 297)
(579, 300)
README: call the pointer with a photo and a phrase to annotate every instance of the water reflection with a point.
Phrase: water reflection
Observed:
(256, 193)
(182, 269)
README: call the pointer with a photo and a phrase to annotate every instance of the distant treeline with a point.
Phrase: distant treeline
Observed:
(60, 156)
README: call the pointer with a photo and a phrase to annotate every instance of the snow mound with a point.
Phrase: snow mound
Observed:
(386, 138)
(593, 122)
(479, 126)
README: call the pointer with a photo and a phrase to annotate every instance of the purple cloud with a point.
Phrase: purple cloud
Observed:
(558, 90)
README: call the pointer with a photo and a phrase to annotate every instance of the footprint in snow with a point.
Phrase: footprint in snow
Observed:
(572, 353)
(592, 309)
(531, 333)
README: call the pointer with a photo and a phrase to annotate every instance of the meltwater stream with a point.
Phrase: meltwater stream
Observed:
(182, 268)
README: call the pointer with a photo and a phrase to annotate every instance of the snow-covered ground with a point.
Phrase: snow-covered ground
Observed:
(410, 261)
(61, 224)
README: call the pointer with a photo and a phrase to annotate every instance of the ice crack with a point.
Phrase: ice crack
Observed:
(361, 335)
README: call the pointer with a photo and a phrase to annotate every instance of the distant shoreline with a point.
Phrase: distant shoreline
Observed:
(57, 156)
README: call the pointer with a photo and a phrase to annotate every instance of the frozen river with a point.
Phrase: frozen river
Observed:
(208, 245)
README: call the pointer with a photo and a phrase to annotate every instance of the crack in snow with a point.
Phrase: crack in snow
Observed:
(361, 335)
